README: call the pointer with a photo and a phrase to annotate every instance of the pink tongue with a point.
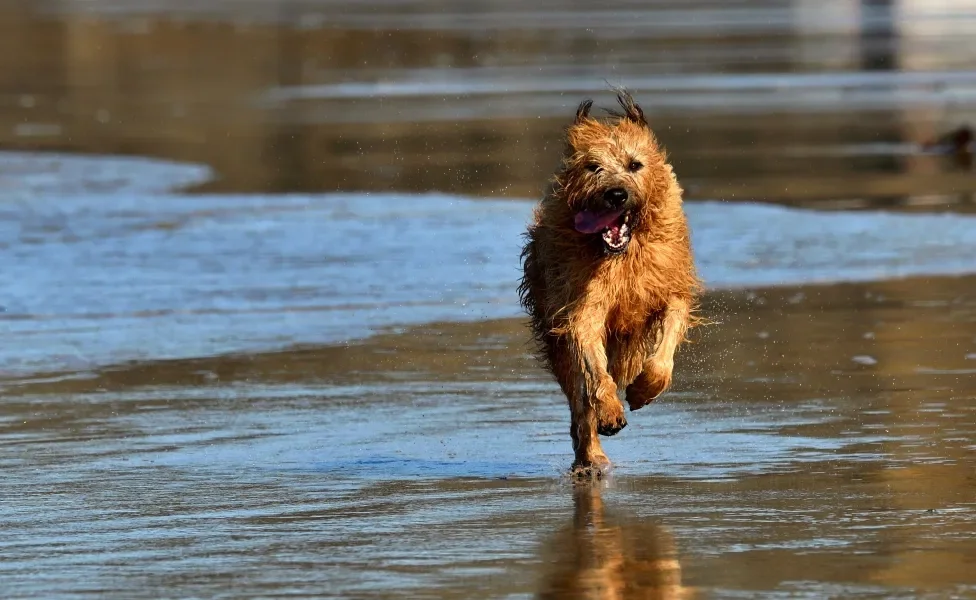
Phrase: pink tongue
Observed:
(591, 222)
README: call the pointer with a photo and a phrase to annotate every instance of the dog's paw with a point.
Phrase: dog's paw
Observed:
(610, 417)
(593, 467)
(651, 383)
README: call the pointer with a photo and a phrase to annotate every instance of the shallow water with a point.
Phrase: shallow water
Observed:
(807, 449)
(236, 273)
(175, 418)
(311, 377)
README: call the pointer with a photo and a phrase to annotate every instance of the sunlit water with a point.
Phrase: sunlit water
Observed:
(273, 393)
(132, 272)
(429, 460)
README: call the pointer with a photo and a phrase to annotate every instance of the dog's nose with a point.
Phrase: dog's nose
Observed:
(615, 197)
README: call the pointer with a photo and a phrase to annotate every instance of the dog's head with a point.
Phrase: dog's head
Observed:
(613, 174)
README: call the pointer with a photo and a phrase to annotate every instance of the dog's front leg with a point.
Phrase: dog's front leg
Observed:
(594, 405)
(656, 375)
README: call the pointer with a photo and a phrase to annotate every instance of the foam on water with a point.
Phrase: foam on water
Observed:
(102, 266)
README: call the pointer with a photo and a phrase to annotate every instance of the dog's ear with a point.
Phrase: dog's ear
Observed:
(583, 111)
(632, 110)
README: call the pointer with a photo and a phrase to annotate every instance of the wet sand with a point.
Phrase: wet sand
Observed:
(204, 395)
(285, 428)
(807, 448)
(309, 375)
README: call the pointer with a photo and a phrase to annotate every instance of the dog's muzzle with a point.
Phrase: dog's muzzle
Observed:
(613, 224)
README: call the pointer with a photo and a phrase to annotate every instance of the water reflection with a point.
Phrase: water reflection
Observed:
(607, 553)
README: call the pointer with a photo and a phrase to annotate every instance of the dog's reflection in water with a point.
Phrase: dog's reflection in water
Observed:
(606, 555)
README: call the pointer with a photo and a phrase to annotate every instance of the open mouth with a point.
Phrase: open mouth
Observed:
(613, 226)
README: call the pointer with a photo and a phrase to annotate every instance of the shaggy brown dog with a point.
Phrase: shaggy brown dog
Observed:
(609, 279)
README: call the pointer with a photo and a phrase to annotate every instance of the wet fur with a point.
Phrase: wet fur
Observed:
(605, 323)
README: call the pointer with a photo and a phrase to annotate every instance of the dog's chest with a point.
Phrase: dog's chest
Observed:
(632, 315)
(635, 297)
(633, 310)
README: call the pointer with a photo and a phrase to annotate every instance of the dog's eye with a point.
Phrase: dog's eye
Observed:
(593, 168)
(635, 165)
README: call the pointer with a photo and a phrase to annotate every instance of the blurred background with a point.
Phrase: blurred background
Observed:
(259, 333)
(790, 100)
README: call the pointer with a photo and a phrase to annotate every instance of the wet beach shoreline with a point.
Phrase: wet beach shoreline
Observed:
(824, 425)
(260, 335)
(831, 442)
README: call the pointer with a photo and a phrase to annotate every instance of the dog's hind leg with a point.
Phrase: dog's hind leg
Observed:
(656, 375)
